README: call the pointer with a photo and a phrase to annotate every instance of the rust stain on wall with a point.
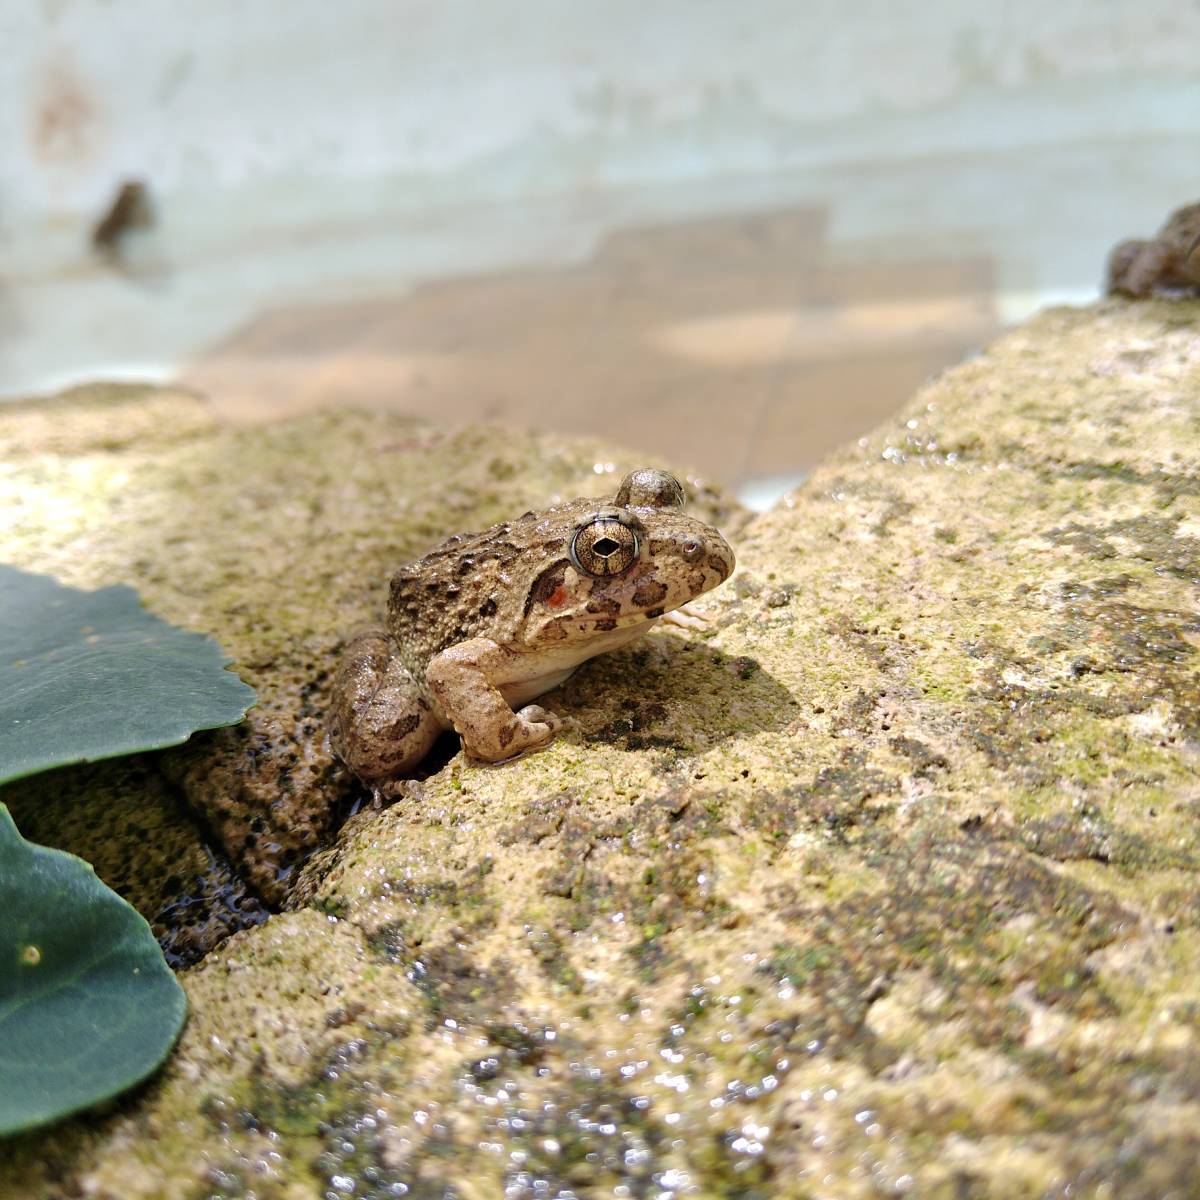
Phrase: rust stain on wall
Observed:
(67, 127)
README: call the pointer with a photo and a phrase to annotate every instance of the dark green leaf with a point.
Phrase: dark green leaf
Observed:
(88, 1007)
(88, 675)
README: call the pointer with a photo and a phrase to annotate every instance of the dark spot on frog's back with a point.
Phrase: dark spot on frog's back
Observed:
(546, 584)
(404, 727)
(404, 590)
(499, 552)
(650, 594)
(488, 607)
(605, 625)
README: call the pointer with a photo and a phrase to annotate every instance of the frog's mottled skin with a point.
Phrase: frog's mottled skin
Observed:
(488, 621)
(1168, 263)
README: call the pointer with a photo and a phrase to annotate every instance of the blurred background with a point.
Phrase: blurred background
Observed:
(734, 233)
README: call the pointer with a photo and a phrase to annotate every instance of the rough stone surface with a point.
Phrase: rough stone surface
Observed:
(884, 886)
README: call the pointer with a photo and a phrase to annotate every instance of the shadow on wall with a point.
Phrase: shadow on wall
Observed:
(735, 344)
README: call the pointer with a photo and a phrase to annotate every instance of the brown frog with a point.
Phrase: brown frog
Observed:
(488, 621)
(1169, 263)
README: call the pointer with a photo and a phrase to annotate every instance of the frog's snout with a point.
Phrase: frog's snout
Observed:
(721, 556)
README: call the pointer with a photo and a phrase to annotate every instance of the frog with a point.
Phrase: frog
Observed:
(485, 623)
(1168, 264)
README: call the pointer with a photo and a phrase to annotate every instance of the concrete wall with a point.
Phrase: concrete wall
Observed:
(462, 99)
(271, 130)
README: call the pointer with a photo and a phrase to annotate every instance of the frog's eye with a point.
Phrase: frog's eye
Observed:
(605, 544)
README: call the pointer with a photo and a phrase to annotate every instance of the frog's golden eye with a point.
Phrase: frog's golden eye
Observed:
(605, 544)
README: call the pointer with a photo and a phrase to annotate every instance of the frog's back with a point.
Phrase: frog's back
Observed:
(477, 584)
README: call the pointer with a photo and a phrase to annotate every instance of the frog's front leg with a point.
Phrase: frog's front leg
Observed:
(381, 725)
(465, 680)
(1141, 268)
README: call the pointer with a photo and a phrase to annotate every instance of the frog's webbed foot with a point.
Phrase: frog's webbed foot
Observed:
(687, 616)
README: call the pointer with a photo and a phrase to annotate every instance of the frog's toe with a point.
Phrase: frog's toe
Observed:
(687, 616)
(541, 720)
(384, 793)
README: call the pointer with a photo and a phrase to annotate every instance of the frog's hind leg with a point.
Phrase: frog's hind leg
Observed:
(381, 726)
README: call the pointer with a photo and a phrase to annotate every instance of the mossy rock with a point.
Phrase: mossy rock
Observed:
(884, 885)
